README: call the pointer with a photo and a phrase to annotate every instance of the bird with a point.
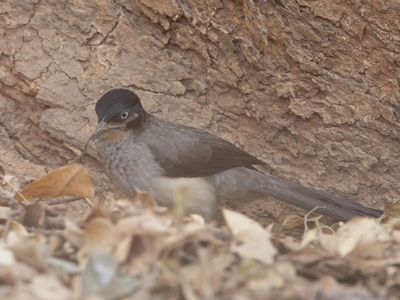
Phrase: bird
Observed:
(140, 151)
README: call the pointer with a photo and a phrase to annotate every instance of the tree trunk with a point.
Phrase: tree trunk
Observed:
(310, 87)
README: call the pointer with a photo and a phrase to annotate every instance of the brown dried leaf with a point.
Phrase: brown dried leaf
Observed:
(16, 232)
(360, 236)
(99, 235)
(31, 252)
(145, 224)
(4, 212)
(70, 180)
(48, 286)
(293, 225)
(392, 209)
(101, 278)
(251, 240)
(364, 236)
(122, 249)
(7, 257)
(34, 215)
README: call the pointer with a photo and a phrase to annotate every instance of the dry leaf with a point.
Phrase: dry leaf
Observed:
(99, 235)
(70, 180)
(4, 212)
(101, 278)
(292, 222)
(366, 236)
(16, 232)
(6, 257)
(145, 224)
(185, 257)
(34, 215)
(392, 209)
(31, 252)
(122, 249)
(66, 266)
(144, 199)
(250, 239)
(48, 287)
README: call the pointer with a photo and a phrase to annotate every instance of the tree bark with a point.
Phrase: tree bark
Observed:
(310, 87)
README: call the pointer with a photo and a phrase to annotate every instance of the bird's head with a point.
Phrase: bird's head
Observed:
(118, 109)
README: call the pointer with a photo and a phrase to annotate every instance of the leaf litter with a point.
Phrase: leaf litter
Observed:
(133, 249)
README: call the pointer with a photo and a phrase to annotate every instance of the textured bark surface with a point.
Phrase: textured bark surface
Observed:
(310, 87)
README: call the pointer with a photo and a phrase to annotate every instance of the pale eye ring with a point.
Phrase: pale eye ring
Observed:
(124, 115)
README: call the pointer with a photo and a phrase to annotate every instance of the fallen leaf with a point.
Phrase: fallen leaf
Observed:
(101, 278)
(146, 224)
(99, 235)
(70, 180)
(4, 212)
(392, 209)
(31, 252)
(364, 236)
(16, 232)
(66, 266)
(122, 249)
(99, 272)
(250, 239)
(144, 199)
(48, 287)
(328, 288)
(34, 215)
(6, 257)
(293, 225)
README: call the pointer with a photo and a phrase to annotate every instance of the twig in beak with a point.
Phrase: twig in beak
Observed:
(99, 130)
(80, 157)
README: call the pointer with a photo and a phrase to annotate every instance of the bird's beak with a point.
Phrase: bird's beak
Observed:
(101, 127)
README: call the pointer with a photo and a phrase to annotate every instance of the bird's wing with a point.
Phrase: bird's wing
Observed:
(189, 152)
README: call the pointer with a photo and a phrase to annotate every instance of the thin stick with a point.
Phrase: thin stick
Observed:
(80, 157)
(88, 201)
(63, 200)
(308, 215)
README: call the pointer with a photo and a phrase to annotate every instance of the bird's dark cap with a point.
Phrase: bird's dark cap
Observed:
(114, 101)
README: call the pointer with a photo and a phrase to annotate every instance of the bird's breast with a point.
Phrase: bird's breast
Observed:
(130, 165)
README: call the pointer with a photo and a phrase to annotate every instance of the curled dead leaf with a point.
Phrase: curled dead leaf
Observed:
(362, 237)
(250, 239)
(32, 252)
(70, 180)
(99, 235)
(4, 212)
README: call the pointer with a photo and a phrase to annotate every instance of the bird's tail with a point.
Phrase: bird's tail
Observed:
(293, 193)
(323, 202)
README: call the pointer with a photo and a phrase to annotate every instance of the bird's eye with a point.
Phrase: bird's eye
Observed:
(124, 115)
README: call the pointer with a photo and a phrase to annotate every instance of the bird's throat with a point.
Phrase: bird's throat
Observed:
(114, 135)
